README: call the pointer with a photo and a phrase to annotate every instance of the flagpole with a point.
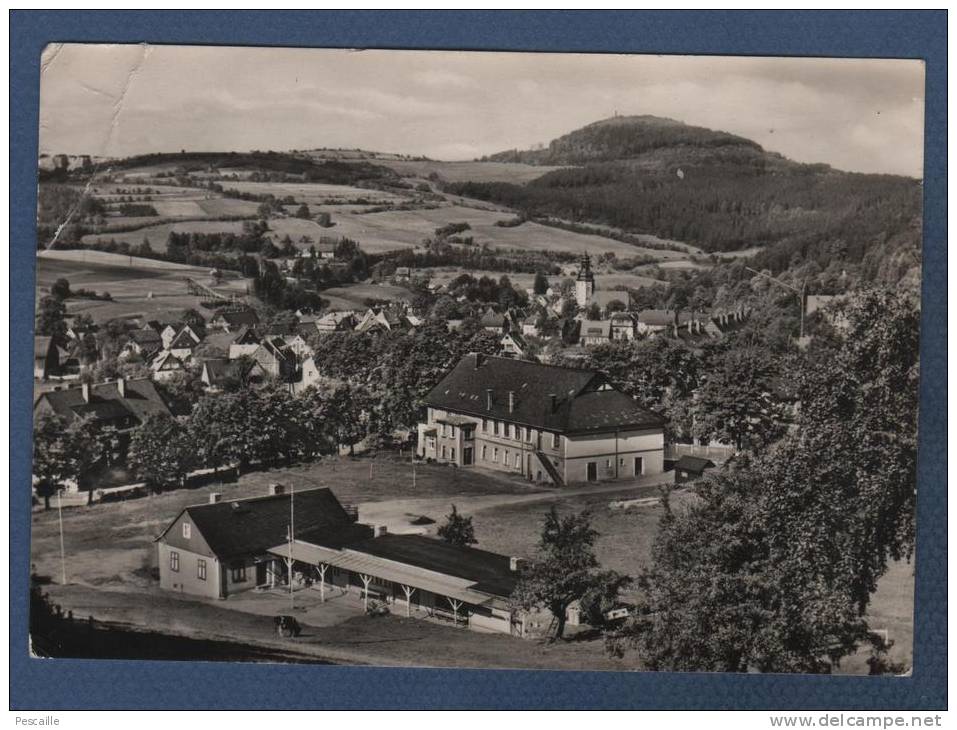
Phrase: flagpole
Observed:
(292, 530)
(59, 509)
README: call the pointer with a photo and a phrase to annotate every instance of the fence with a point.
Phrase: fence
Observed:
(717, 454)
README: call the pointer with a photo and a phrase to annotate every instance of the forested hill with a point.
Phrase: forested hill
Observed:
(721, 192)
(621, 138)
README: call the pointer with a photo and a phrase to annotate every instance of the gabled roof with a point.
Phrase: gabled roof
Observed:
(579, 404)
(252, 526)
(246, 317)
(142, 398)
(603, 297)
(145, 336)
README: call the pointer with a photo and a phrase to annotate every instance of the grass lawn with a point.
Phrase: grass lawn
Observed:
(111, 544)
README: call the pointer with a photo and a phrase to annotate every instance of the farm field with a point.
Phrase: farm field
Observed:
(353, 296)
(602, 281)
(312, 193)
(129, 280)
(509, 172)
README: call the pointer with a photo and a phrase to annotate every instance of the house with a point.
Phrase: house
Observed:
(309, 375)
(220, 373)
(221, 548)
(232, 320)
(336, 322)
(184, 342)
(622, 326)
(246, 342)
(297, 343)
(372, 320)
(145, 342)
(123, 404)
(689, 468)
(513, 345)
(492, 321)
(46, 357)
(276, 359)
(654, 321)
(545, 422)
(530, 326)
(454, 325)
(594, 332)
(166, 365)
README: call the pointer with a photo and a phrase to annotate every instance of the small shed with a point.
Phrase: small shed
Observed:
(689, 468)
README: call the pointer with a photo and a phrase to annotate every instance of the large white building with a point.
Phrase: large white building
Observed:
(547, 423)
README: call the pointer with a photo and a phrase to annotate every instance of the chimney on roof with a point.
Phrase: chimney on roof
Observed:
(553, 401)
(479, 360)
(215, 497)
(511, 401)
(85, 390)
(380, 530)
(515, 564)
(276, 489)
(488, 399)
(121, 387)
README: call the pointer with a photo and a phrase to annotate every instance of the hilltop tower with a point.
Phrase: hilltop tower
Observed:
(585, 285)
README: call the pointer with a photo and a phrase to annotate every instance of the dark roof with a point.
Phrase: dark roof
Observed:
(490, 571)
(145, 336)
(252, 526)
(580, 406)
(694, 463)
(235, 319)
(142, 398)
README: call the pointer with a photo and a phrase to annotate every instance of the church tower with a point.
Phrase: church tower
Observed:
(585, 286)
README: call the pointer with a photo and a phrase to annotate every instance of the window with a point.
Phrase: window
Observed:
(186, 530)
(452, 431)
(452, 453)
(443, 451)
(529, 435)
(505, 459)
(238, 571)
(174, 561)
(484, 453)
(495, 454)
(518, 461)
(484, 425)
(608, 463)
(200, 568)
(555, 440)
(495, 427)
(508, 430)
(520, 433)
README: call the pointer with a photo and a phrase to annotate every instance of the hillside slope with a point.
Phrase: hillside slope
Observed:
(715, 190)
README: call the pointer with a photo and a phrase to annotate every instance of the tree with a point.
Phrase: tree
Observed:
(303, 212)
(783, 551)
(540, 285)
(457, 530)
(161, 452)
(739, 401)
(565, 569)
(63, 453)
(60, 289)
(50, 317)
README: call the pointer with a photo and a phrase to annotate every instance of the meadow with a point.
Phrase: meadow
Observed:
(139, 287)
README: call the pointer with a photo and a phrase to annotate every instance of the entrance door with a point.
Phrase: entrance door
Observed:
(467, 456)
(592, 471)
(639, 466)
(261, 577)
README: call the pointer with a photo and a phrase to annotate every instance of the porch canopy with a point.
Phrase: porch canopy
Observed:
(409, 575)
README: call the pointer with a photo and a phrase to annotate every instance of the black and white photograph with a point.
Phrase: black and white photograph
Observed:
(474, 359)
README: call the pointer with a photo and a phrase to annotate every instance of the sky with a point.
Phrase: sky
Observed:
(862, 115)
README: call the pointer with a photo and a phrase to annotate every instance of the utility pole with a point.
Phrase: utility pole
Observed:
(799, 292)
